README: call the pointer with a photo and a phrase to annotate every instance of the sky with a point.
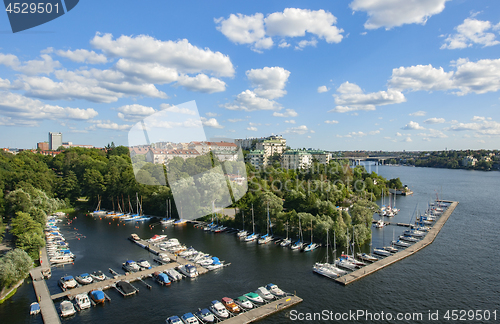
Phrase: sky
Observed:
(335, 75)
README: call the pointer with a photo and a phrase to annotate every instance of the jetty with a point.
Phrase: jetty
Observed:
(264, 310)
(428, 239)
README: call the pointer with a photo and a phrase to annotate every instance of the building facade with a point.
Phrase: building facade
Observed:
(257, 158)
(296, 159)
(55, 141)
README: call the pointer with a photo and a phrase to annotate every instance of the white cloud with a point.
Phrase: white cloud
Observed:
(108, 124)
(149, 72)
(249, 101)
(212, 122)
(180, 54)
(258, 31)
(287, 113)
(83, 56)
(481, 126)
(412, 126)
(433, 133)
(322, 89)
(45, 66)
(202, 83)
(350, 98)
(398, 134)
(253, 129)
(254, 124)
(478, 77)
(235, 120)
(269, 82)
(5, 84)
(291, 121)
(408, 139)
(434, 120)
(15, 106)
(331, 122)
(211, 114)
(470, 32)
(177, 110)
(304, 43)
(394, 13)
(301, 130)
(419, 113)
(134, 112)
(374, 132)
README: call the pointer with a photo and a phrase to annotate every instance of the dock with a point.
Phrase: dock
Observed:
(376, 266)
(264, 310)
(47, 307)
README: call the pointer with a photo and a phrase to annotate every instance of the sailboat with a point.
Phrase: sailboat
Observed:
(367, 257)
(311, 245)
(252, 237)
(298, 245)
(327, 269)
(286, 242)
(98, 210)
(168, 220)
(264, 239)
(242, 233)
(180, 221)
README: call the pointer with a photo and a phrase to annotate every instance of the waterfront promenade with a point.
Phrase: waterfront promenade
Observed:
(376, 266)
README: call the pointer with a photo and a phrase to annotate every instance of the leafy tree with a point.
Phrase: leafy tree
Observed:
(14, 266)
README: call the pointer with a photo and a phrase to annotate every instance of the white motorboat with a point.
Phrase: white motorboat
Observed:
(98, 275)
(327, 270)
(218, 309)
(366, 257)
(408, 238)
(216, 264)
(264, 293)
(84, 279)
(205, 315)
(346, 264)
(286, 242)
(264, 239)
(188, 252)
(242, 234)
(173, 274)
(243, 302)
(254, 298)
(131, 266)
(68, 282)
(379, 224)
(82, 302)
(61, 259)
(144, 264)
(67, 308)
(400, 243)
(189, 318)
(414, 232)
(162, 258)
(188, 270)
(381, 252)
(157, 238)
(275, 290)
(391, 249)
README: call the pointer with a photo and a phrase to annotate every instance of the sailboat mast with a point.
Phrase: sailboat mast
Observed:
(253, 222)
(243, 216)
(137, 202)
(268, 218)
(327, 245)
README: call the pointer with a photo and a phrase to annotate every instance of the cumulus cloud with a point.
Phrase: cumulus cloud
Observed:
(249, 101)
(202, 83)
(34, 67)
(419, 113)
(108, 124)
(412, 126)
(177, 110)
(394, 13)
(470, 32)
(211, 114)
(16, 107)
(134, 112)
(269, 82)
(350, 97)
(480, 125)
(478, 77)
(287, 113)
(291, 121)
(235, 120)
(301, 130)
(322, 89)
(304, 43)
(83, 56)
(258, 32)
(212, 122)
(433, 133)
(253, 129)
(434, 120)
(331, 122)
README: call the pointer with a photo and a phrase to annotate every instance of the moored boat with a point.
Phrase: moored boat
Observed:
(231, 305)
(67, 308)
(188, 270)
(243, 302)
(34, 308)
(84, 279)
(82, 302)
(205, 315)
(68, 282)
(97, 296)
(275, 290)
(98, 275)
(218, 309)
(131, 266)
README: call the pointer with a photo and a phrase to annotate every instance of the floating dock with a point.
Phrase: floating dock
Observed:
(264, 310)
(47, 307)
(376, 266)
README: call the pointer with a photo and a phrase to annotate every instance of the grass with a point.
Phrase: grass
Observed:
(8, 296)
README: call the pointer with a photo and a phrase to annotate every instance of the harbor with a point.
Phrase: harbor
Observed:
(380, 264)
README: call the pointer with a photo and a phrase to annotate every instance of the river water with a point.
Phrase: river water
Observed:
(459, 271)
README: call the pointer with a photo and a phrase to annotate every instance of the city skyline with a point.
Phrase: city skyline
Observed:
(353, 75)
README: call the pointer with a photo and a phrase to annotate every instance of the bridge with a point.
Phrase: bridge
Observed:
(356, 160)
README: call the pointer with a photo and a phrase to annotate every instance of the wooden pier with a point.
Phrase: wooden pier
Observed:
(428, 239)
(264, 310)
(47, 307)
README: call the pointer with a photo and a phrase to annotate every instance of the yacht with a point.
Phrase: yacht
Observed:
(366, 257)
(242, 234)
(297, 245)
(84, 279)
(67, 308)
(230, 305)
(125, 288)
(409, 238)
(98, 275)
(264, 239)
(243, 302)
(400, 243)
(218, 309)
(264, 293)
(173, 320)
(381, 252)
(275, 290)
(379, 224)
(189, 318)
(328, 270)
(61, 259)
(188, 252)
(286, 242)
(252, 237)
(391, 249)
(311, 245)
(254, 298)
(144, 264)
(216, 264)
(205, 315)
(157, 238)
(67, 282)
(161, 278)
(131, 266)
(173, 274)
(188, 270)
(414, 232)
(97, 296)
(82, 302)
(162, 258)
(345, 263)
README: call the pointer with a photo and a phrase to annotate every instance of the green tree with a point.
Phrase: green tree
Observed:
(14, 266)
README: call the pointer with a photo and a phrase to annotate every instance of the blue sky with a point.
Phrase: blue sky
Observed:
(342, 75)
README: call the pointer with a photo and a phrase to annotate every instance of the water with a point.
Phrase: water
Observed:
(457, 271)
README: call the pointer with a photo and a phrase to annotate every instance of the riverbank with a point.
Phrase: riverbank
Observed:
(6, 293)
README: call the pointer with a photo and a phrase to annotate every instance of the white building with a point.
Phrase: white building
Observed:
(469, 161)
(320, 155)
(257, 158)
(296, 159)
(55, 141)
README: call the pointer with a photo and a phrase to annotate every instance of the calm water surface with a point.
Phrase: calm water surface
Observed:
(458, 271)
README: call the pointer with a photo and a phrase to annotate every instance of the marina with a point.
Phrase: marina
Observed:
(378, 265)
